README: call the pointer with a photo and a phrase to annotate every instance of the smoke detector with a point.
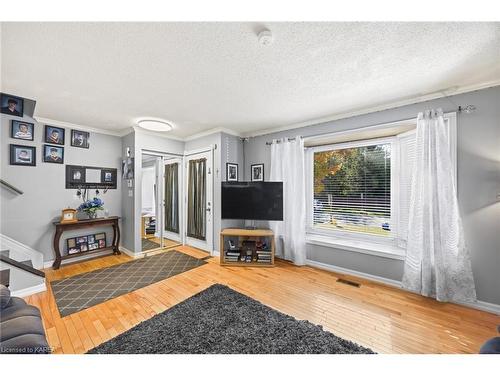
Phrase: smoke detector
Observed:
(265, 37)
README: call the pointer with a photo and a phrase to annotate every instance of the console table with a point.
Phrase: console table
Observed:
(86, 223)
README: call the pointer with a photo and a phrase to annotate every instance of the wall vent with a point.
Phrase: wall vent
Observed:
(348, 282)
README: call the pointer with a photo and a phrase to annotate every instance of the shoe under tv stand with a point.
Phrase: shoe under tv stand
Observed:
(260, 258)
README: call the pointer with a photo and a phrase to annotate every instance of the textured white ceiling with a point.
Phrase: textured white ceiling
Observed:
(207, 75)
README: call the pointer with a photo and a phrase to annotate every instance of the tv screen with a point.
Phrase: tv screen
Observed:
(252, 200)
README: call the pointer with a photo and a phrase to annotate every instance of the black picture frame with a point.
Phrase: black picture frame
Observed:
(17, 134)
(260, 169)
(231, 172)
(76, 141)
(16, 159)
(48, 159)
(51, 129)
(108, 176)
(5, 99)
(76, 177)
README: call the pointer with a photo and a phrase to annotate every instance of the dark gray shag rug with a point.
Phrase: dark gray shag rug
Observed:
(220, 320)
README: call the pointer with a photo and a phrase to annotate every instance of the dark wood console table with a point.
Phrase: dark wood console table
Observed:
(86, 223)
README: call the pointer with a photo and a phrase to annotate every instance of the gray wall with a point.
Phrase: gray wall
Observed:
(28, 218)
(478, 184)
(232, 152)
(127, 201)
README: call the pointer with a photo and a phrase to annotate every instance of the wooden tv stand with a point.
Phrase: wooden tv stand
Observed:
(242, 238)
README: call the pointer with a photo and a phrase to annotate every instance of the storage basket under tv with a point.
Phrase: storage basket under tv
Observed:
(250, 247)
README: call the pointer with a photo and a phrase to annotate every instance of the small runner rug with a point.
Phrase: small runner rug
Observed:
(82, 291)
(220, 320)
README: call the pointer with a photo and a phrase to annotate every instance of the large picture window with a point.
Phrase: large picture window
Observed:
(352, 188)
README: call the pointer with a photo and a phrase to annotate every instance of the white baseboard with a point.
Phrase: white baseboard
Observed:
(130, 253)
(31, 290)
(478, 305)
(48, 264)
(330, 267)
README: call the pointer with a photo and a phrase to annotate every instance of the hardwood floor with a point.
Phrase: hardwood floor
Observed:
(386, 319)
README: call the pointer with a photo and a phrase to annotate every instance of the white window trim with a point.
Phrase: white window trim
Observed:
(339, 234)
(373, 245)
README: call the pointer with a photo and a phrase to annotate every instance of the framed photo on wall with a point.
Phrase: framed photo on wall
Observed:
(53, 154)
(80, 138)
(22, 130)
(231, 172)
(54, 135)
(11, 105)
(22, 155)
(257, 172)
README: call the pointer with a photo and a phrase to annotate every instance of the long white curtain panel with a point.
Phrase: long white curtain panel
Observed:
(437, 260)
(287, 165)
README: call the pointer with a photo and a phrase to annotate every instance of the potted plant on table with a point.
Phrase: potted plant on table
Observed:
(91, 207)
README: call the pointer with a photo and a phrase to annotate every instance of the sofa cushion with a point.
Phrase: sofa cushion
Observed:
(21, 325)
(492, 346)
(4, 296)
(16, 308)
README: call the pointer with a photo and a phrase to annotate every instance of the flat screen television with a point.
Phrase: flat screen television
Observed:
(252, 200)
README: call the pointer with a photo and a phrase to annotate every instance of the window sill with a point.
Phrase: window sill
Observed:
(364, 247)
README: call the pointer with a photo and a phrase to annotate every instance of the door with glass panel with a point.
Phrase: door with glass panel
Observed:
(172, 200)
(198, 200)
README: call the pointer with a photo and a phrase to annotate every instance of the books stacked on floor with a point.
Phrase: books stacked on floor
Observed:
(232, 256)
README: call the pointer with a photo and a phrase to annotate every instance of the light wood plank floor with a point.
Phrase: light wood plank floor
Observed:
(386, 319)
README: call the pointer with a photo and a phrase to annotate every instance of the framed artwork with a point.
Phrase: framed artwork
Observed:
(231, 172)
(11, 105)
(257, 172)
(86, 243)
(22, 155)
(128, 169)
(54, 135)
(53, 154)
(80, 138)
(22, 130)
(83, 177)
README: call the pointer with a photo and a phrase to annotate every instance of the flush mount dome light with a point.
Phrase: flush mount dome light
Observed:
(155, 125)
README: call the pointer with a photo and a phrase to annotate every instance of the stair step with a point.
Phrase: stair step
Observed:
(27, 262)
(4, 252)
(5, 277)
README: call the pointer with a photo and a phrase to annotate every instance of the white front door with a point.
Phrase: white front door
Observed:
(172, 199)
(198, 202)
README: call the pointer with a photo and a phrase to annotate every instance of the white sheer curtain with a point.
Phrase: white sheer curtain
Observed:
(287, 165)
(437, 260)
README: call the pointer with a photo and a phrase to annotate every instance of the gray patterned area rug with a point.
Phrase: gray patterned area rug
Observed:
(220, 320)
(82, 291)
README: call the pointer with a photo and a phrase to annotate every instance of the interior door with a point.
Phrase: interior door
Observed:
(199, 200)
(172, 186)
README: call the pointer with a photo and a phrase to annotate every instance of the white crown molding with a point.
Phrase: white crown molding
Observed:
(212, 131)
(140, 130)
(363, 111)
(65, 124)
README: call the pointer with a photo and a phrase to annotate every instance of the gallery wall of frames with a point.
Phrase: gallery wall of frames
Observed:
(54, 138)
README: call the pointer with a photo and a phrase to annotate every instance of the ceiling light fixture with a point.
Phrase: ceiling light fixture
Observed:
(265, 37)
(155, 125)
